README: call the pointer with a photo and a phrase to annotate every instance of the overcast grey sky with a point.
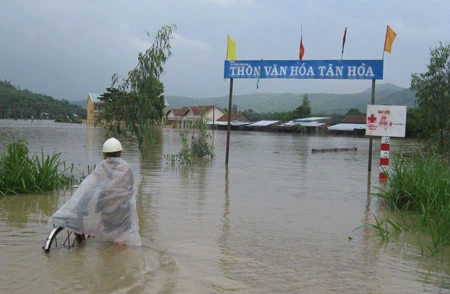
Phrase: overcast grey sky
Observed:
(67, 49)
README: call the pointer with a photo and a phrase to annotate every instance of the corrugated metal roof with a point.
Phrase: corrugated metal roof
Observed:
(311, 124)
(347, 127)
(310, 119)
(303, 123)
(263, 123)
(233, 123)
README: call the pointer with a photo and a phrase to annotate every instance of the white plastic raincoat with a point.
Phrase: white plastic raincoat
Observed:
(104, 205)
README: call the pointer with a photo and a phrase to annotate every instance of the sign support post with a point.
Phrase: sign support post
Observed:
(372, 102)
(385, 121)
(384, 158)
(229, 121)
(301, 69)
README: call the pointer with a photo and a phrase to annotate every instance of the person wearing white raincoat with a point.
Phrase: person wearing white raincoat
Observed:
(104, 205)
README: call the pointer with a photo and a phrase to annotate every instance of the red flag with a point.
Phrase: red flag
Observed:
(302, 49)
(344, 39)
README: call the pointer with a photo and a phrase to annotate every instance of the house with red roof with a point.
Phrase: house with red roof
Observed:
(188, 115)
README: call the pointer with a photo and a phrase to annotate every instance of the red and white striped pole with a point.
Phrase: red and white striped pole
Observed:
(384, 158)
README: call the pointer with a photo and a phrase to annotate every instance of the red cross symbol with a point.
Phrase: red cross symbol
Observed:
(372, 118)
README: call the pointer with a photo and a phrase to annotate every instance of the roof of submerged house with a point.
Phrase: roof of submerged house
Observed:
(225, 117)
(355, 119)
(347, 127)
(95, 97)
(198, 110)
(305, 124)
(179, 111)
(263, 123)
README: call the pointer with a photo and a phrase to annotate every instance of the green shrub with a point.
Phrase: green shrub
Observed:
(20, 173)
(421, 186)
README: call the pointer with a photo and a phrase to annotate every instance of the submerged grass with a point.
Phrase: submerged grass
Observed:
(385, 228)
(197, 147)
(421, 186)
(20, 173)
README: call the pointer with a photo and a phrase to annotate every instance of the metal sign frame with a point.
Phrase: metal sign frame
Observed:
(304, 69)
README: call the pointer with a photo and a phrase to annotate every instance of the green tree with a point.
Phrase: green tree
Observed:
(251, 115)
(433, 99)
(303, 110)
(137, 102)
(413, 124)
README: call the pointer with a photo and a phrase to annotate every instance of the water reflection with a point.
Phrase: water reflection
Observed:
(16, 209)
(225, 260)
(150, 164)
(94, 144)
(102, 268)
(195, 179)
(302, 150)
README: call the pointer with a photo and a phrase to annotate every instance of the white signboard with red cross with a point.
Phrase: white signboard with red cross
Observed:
(386, 120)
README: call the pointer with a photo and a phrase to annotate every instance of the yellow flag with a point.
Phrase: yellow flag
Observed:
(231, 49)
(390, 36)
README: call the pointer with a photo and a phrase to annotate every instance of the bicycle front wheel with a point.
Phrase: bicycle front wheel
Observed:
(61, 238)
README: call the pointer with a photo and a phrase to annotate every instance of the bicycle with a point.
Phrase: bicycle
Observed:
(61, 238)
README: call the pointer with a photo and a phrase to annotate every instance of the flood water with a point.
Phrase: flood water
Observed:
(280, 219)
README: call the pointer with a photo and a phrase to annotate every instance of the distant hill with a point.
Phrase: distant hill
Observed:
(322, 103)
(81, 103)
(22, 103)
(384, 87)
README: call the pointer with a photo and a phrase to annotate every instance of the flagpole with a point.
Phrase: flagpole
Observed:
(343, 42)
(226, 53)
(231, 56)
(384, 47)
(372, 102)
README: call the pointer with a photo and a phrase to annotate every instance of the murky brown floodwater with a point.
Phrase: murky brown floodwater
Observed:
(278, 221)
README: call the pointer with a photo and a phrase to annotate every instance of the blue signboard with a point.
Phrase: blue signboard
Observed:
(304, 69)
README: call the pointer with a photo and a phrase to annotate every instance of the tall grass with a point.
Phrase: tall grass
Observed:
(422, 186)
(20, 173)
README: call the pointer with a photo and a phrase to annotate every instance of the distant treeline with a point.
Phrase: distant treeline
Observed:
(20, 103)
